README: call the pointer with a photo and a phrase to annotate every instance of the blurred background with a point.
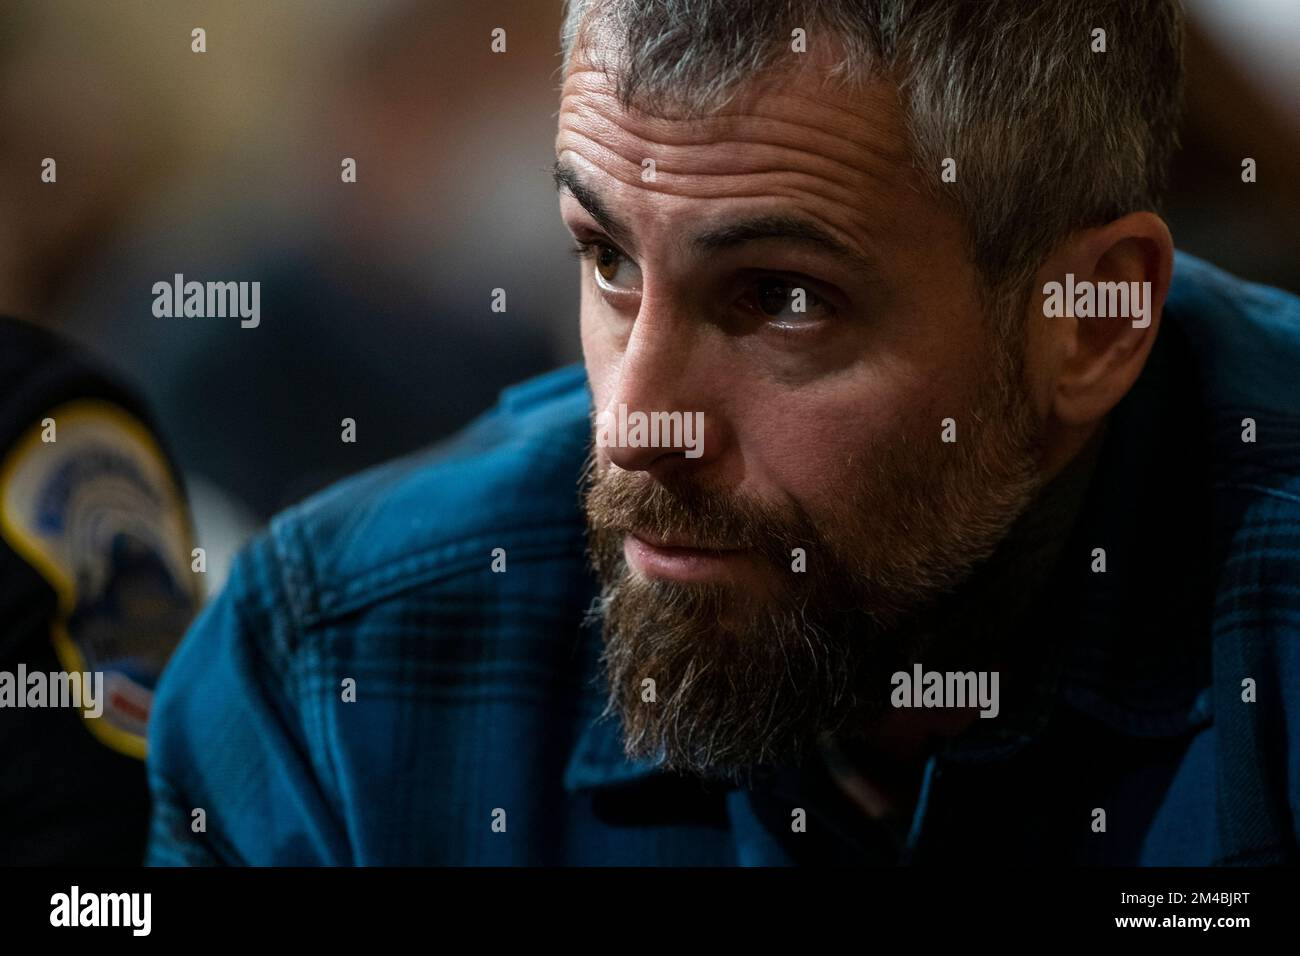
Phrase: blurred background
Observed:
(376, 296)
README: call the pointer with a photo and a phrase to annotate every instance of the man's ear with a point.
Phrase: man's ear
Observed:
(1097, 360)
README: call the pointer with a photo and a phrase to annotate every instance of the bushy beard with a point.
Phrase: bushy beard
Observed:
(745, 678)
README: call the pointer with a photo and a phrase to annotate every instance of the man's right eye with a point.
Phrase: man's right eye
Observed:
(614, 271)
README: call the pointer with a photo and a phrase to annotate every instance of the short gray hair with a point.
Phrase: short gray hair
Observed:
(1048, 136)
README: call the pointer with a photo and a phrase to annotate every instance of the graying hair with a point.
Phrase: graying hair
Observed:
(1048, 136)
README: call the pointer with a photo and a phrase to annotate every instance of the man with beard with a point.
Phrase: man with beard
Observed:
(828, 230)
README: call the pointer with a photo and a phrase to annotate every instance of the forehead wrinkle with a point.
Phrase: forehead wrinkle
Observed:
(803, 189)
(704, 184)
(754, 155)
(858, 239)
(631, 140)
(876, 125)
(841, 171)
(620, 153)
(846, 169)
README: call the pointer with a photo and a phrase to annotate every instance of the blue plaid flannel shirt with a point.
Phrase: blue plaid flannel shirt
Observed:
(476, 695)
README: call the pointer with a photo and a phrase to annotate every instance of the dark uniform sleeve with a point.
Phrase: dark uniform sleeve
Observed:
(95, 581)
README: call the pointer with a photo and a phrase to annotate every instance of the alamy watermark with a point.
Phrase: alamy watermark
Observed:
(75, 908)
(79, 689)
(1099, 300)
(946, 689)
(625, 429)
(208, 300)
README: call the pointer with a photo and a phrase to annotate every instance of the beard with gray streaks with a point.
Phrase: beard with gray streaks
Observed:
(746, 677)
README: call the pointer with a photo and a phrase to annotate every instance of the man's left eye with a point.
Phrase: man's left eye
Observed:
(786, 299)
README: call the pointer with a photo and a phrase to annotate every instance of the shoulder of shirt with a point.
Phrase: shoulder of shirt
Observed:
(1245, 336)
(510, 481)
(1244, 342)
(1244, 339)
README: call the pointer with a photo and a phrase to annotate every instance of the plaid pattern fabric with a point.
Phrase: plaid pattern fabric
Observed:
(473, 736)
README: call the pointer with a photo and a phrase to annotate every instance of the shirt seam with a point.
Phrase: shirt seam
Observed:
(314, 604)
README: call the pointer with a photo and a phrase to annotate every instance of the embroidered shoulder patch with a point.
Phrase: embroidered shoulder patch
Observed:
(88, 500)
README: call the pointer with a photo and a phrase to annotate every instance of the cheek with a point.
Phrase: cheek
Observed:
(809, 446)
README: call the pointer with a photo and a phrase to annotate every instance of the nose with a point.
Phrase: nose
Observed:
(658, 417)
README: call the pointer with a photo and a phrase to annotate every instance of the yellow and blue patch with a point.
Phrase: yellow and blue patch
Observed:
(88, 499)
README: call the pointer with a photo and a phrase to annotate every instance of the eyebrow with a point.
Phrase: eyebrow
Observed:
(783, 227)
(764, 227)
(566, 178)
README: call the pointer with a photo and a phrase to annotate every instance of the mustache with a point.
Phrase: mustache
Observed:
(620, 502)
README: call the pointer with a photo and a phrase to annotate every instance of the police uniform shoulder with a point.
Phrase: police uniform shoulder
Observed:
(95, 537)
